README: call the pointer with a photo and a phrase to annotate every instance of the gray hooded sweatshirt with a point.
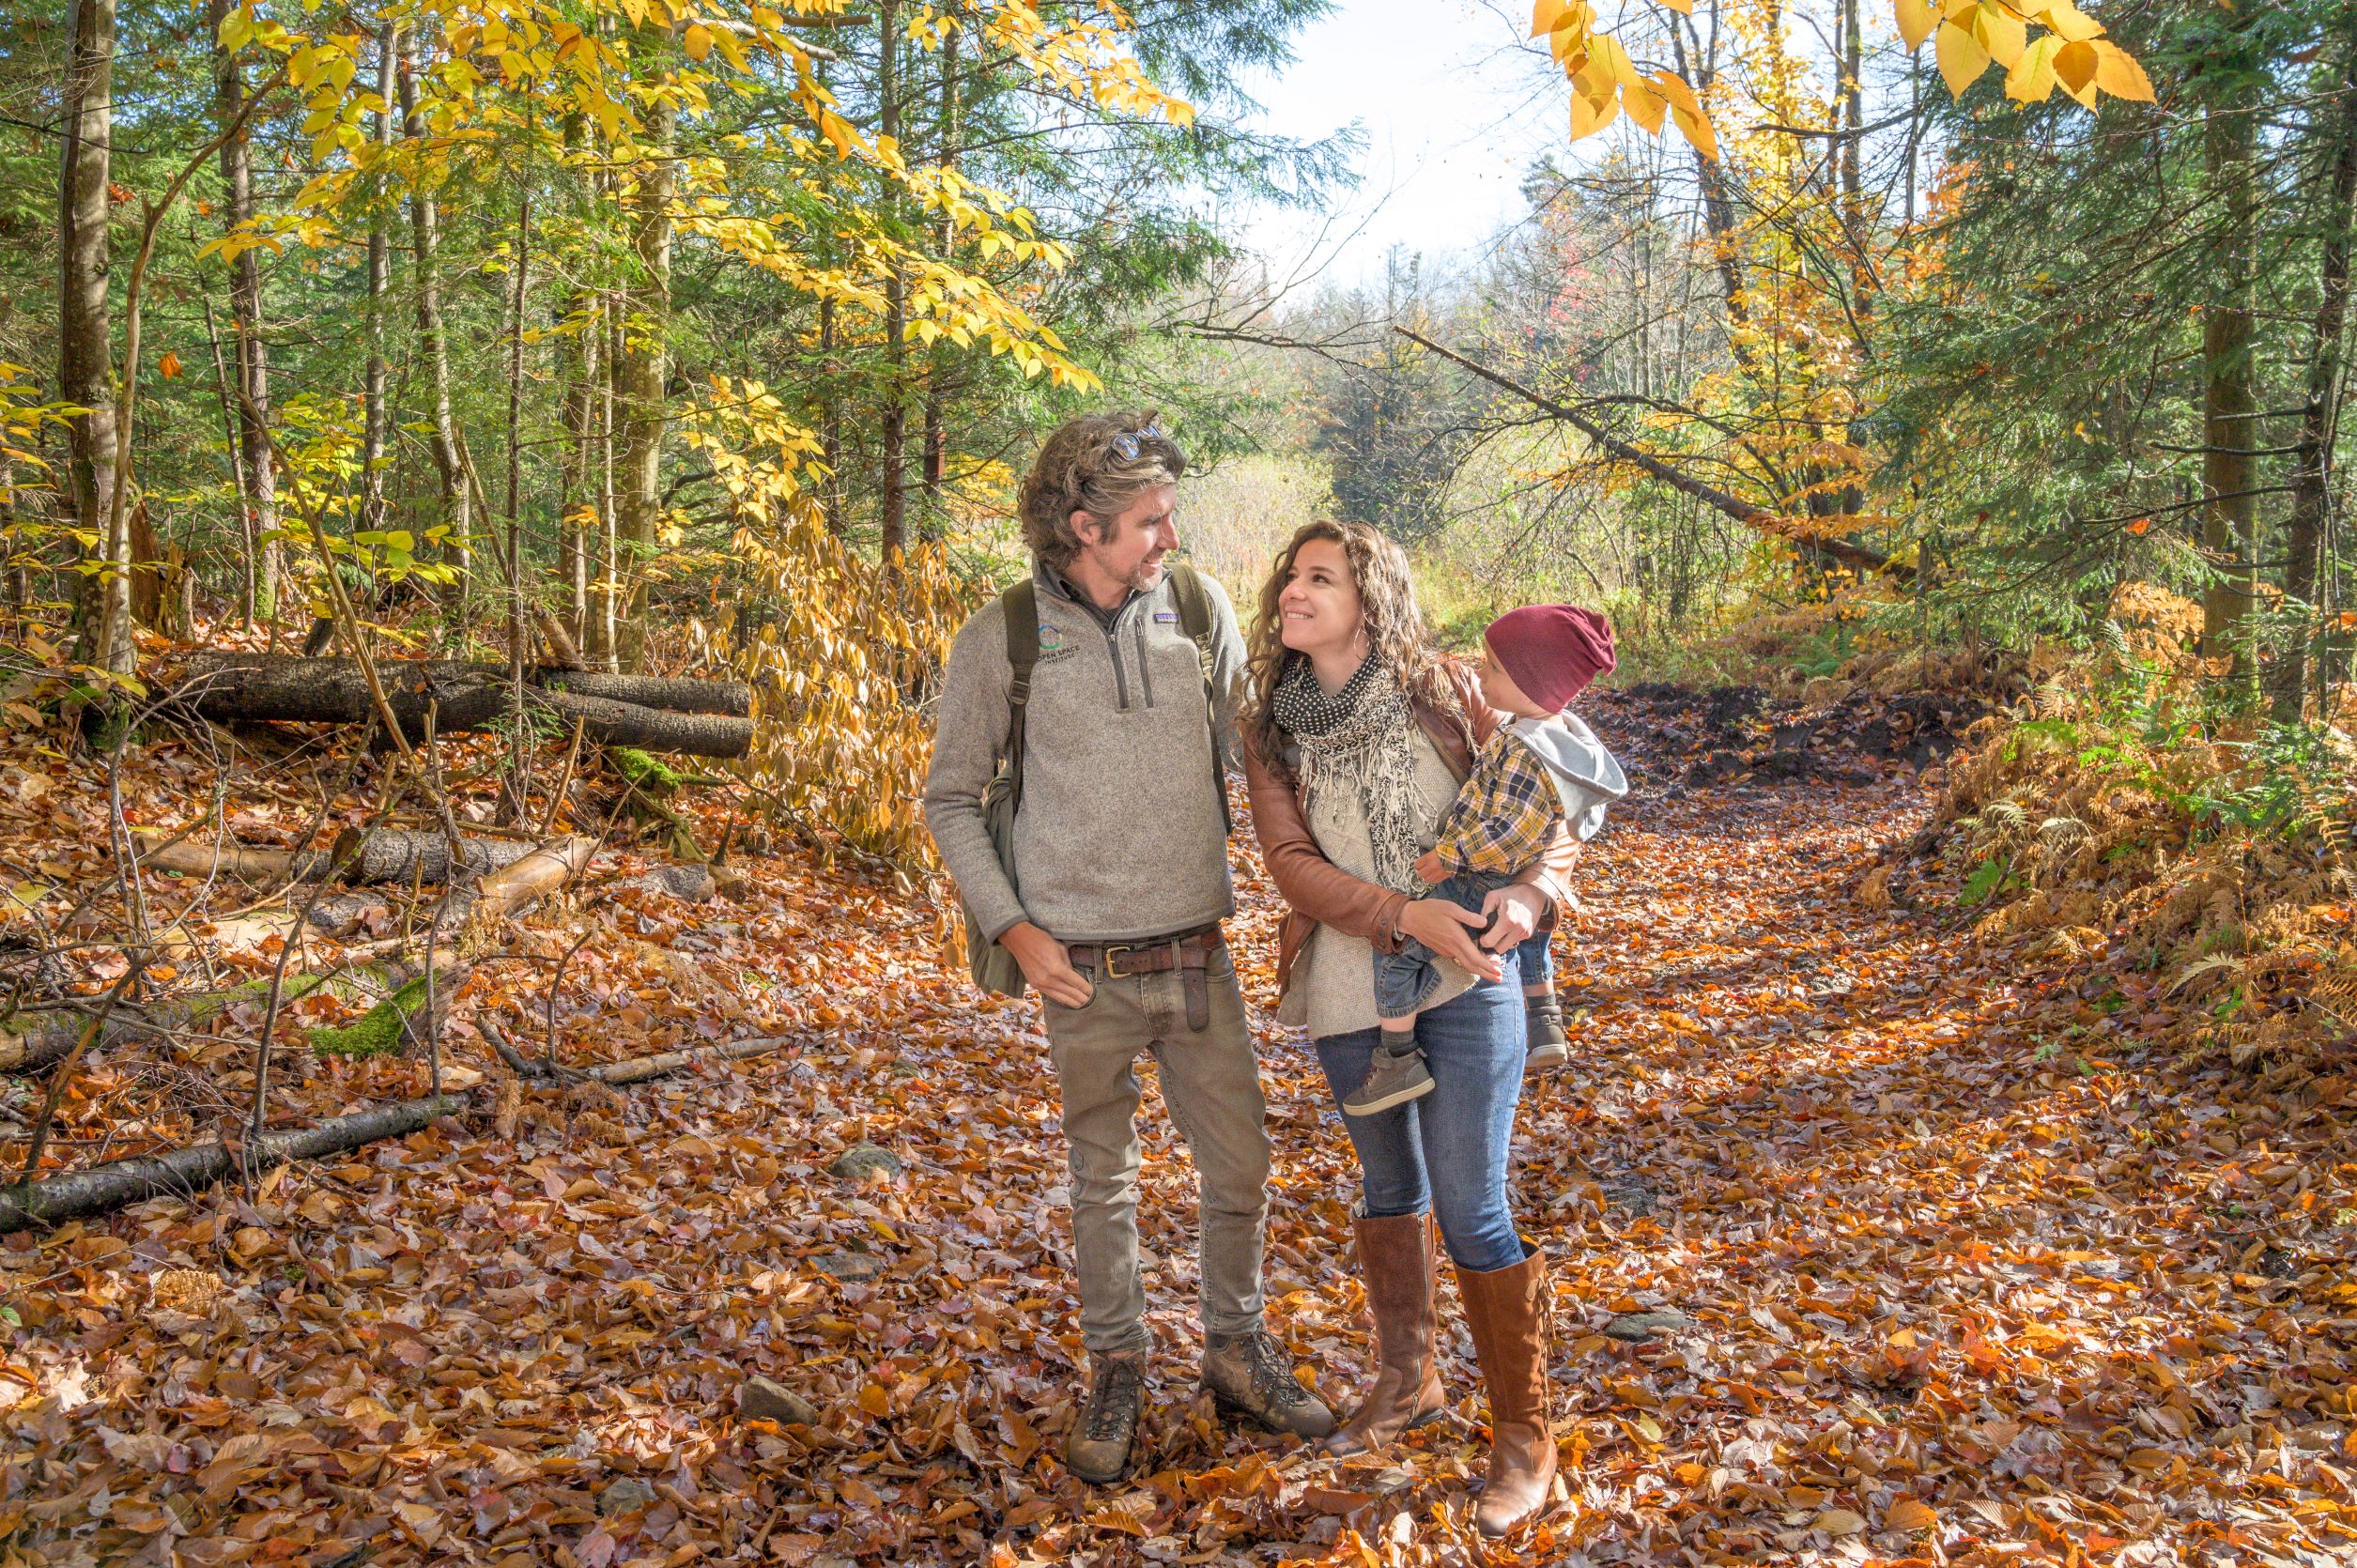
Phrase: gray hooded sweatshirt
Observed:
(1121, 833)
(1588, 779)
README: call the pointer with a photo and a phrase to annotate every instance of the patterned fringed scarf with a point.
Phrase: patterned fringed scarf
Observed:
(1357, 740)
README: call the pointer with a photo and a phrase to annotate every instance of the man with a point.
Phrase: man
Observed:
(1120, 846)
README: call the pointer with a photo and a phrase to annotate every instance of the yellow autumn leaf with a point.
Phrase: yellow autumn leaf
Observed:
(2073, 24)
(1962, 58)
(1684, 7)
(1673, 86)
(2117, 73)
(699, 41)
(1697, 128)
(1910, 1515)
(2001, 33)
(1590, 115)
(1605, 55)
(2074, 67)
(1647, 107)
(1543, 15)
(1915, 21)
(2032, 77)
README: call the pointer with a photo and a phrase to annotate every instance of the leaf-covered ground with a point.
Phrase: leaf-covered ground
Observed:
(1953, 1263)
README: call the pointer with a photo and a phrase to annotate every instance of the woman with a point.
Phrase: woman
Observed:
(1360, 732)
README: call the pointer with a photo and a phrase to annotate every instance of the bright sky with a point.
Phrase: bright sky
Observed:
(1451, 117)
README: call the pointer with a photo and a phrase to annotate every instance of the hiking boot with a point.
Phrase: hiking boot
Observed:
(1544, 1018)
(1098, 1447)
(1392, 1081)
(1249, 1375)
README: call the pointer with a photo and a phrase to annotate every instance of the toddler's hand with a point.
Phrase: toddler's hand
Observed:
(1430, 869)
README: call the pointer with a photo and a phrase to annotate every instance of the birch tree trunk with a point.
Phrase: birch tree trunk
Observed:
(376, 419)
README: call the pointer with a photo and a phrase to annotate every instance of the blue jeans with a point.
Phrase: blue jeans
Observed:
(1405, 980)
(1448, 1150)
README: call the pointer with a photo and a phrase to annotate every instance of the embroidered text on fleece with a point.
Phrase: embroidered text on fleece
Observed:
(1120, 835)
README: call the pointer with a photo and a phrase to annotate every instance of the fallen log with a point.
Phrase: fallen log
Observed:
(80, 1194)
(395, 1024)
(407, 855)
(515, 888)
(22, 1050)
(679, 695)
(611, 723)
(199, 857)
(238, 687)
(510, 890)
(644, 1067)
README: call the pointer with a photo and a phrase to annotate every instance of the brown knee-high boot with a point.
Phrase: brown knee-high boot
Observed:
(1506, 1308)
(1396, 1262)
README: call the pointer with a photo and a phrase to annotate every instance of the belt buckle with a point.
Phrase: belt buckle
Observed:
(1112, 960)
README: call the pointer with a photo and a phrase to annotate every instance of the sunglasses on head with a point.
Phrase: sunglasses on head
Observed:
(1127, 445)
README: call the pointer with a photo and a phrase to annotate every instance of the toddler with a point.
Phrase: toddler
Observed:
(1543, 766)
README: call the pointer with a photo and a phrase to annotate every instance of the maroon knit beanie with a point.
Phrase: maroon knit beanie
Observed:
(1551, 651)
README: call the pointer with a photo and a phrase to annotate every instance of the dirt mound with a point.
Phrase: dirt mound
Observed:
(1733, 735)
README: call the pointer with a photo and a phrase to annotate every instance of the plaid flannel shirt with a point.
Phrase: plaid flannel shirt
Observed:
(1504, 813)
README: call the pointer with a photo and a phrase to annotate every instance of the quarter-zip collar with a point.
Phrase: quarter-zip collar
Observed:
(1106, 619)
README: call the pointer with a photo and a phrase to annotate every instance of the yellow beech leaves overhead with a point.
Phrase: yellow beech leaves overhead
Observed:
(1969, 36)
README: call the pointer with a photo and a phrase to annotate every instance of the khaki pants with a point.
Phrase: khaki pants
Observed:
(1210, 1080)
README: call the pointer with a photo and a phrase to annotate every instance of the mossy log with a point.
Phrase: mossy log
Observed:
(26, 1044)
(394, 1025)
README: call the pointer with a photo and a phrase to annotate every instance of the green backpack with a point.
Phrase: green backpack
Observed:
(994, 967)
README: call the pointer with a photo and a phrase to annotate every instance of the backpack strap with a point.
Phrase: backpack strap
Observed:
(1195, 619)
(1021, 604)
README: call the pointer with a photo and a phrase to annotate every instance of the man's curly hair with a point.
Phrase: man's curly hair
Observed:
(1078, 470)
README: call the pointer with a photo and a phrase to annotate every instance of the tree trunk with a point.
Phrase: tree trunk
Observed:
(425, 244)
(936, 445)
(830, 424)
(86, 348)
(2229, 470)
(577, 516)
(257, 471)
(2312, 470)
(376, 418)
(892, 432)
(599, 645)
(639, 379)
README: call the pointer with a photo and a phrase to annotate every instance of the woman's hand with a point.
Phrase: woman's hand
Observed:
(1448, 930)
(1515, 913)
(1047, 963)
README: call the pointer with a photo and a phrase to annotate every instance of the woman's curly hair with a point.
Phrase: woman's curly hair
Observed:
(1079, 470)
(1395, 626)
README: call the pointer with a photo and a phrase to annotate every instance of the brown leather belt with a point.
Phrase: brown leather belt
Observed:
(1189, 952)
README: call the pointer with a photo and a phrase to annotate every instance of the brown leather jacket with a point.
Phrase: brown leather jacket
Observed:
(1318, 892)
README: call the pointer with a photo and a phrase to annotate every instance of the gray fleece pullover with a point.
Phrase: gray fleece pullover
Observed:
(1120, 834)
